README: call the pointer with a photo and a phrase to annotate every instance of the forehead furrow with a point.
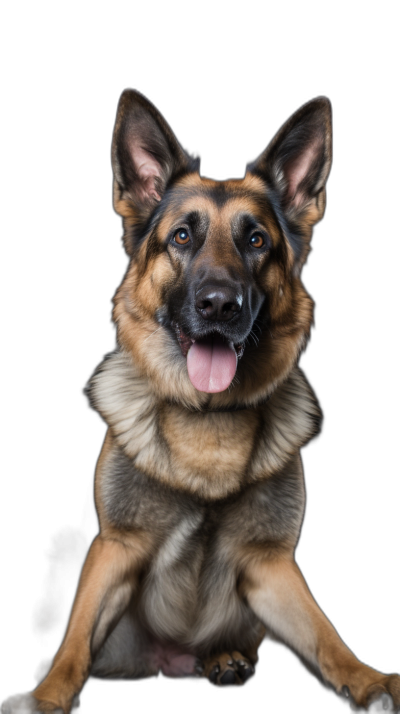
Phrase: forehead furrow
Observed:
(207, 203)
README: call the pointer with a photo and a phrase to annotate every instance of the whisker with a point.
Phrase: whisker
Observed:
(235, 382)
(258, 326)
(254, 337)
(153, 333)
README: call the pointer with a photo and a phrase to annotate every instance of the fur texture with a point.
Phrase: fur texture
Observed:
(200, 494)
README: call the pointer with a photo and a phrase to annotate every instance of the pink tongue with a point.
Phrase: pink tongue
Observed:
(211, 365)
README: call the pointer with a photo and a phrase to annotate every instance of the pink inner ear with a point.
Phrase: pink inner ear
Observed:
(148, 170)
(297, 171)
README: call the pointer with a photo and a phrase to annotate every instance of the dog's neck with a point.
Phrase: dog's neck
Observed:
(209, 453)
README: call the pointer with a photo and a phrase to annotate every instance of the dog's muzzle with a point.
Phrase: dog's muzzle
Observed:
(214, 302)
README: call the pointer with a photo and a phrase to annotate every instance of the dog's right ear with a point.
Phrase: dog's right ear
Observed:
(296, 166)
(146, 157)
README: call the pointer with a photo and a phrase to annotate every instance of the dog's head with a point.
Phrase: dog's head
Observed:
(212, 302)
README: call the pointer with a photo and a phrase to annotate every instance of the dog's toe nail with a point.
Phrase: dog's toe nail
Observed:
(214, 674)
(245, 671)
(228, 677)
(346, 692)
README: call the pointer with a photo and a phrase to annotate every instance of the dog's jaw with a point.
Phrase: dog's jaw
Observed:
(185, 342)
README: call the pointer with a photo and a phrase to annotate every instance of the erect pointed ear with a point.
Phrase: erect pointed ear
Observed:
(297, 162)
(145, 155)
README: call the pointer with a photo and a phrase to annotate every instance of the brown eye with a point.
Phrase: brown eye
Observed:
(181, 237)
(257, 241)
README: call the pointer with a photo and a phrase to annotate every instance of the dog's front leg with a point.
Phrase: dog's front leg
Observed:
(108, 579)
(277, 592)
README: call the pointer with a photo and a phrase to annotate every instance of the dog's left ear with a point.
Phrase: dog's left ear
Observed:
(297, 162)
(146, 155)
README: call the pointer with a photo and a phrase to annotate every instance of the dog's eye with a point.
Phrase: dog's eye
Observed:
(181, 236)
(257, 241)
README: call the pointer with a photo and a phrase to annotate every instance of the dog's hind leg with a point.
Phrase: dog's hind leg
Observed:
(278, 594)
(108, 580)
(126, 653)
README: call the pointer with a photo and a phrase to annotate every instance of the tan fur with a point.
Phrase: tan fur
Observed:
(110, 571)
(278, 593)
(201, 496)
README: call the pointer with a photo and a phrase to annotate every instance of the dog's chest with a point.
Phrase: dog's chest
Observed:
(208, 453)
(183, 524)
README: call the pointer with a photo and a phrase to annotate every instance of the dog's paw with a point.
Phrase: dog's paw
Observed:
(381, 697)
(28, 704)
(227, 668)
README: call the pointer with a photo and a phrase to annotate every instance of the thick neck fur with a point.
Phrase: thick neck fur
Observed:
(211, 455)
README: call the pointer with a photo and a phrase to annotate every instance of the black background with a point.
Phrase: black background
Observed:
(64, 261)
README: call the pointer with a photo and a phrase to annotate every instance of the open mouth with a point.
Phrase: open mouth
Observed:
(211, 360)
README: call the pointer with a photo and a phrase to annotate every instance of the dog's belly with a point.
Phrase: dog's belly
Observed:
(190, 594)
(186, 609)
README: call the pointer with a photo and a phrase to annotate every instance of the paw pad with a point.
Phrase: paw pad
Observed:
(228, 677)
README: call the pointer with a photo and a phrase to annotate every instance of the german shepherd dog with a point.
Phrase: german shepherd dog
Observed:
(199, 486)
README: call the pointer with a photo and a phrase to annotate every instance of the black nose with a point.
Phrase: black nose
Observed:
(218, 303)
